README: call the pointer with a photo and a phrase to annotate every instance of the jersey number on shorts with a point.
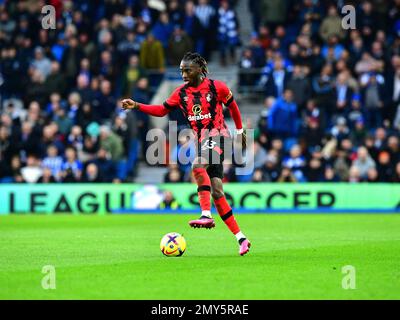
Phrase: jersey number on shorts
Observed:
(209, 144)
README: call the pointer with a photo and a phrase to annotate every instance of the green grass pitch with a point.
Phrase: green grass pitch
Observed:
(118, 257)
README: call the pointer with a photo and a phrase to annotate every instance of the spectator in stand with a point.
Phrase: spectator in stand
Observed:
(314, 171)
(286, 175)
(257, 176)
(372, 176)
(343, 94)
(373, 100)
(356, 112)
(393, 147)
(396, 176)
(32, 171)
(53, 162)
(46, 176)
(107, 68)
(130, 76)
(331, 25)
(312, 133)
(175, 13)
(41, 63)
(363, 163)
(64, 123)
(271, 169)
(385, 170)
(247, 75)
(74, 103)
(340, 130)
(277, 80)
(28, 141)
(152, 57)
(105, 166)
(282, 120)
(105, 104)
(152, 54)
(36, 89)
(178, 44)
(273, 12)
(323, 86)
(380, 138)
(55, 81)
(72, 167)
(70, 60)
(296, 162)
(228, 28)
(91, 174)
(50, 135)
(163, 29)
(169, 201)
(129, 47)
(191, 23)
(173, 174)
(300, 86)
(330, 175)
(75, 138)
(207, 17)
(113, 144)
(83, 88)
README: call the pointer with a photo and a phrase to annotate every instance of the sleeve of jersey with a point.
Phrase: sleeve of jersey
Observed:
(161, 110)
(153, 110)
(226, 96)
(235, 113)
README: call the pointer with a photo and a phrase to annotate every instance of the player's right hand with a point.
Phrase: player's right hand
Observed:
(128, 104)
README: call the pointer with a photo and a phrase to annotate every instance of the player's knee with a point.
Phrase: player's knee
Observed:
(198, 166)
(217, 193)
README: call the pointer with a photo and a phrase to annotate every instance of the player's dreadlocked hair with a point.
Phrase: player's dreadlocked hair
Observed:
(199, 60)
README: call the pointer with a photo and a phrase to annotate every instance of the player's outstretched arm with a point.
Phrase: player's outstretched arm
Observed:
(153, 110)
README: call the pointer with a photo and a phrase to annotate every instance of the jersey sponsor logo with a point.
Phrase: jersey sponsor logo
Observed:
(196, 109)
(200, 117)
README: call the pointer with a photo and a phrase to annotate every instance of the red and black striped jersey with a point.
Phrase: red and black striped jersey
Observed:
(202, 106)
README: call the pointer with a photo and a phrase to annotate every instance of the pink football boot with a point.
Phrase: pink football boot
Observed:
(244, 247)
(203, 222)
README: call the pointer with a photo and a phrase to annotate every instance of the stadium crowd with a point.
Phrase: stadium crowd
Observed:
(59, 88)
(331, 95)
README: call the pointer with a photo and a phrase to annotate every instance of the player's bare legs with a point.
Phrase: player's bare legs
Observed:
(225, 212)
(204, 191)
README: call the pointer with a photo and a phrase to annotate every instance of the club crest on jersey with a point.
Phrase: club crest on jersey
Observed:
(196, 109)
(209, 96)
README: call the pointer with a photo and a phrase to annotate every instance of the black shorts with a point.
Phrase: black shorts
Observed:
(212, 149)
